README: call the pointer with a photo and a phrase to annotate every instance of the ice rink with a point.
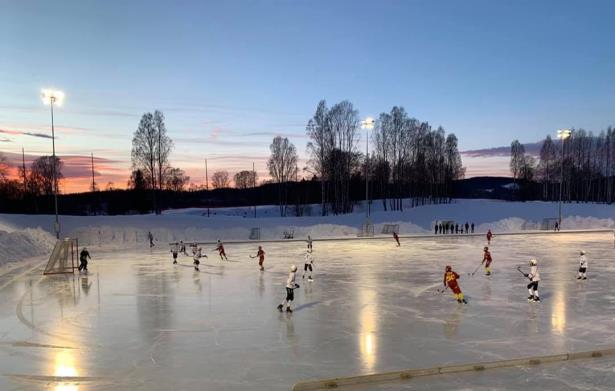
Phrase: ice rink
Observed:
(138, 322)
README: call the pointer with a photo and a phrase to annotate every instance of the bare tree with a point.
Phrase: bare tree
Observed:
(41, 175)
(176, 179)
(4, 167)
(517, 158)
(245, 179)
(282, 165)
(546, 167)
(164, 146)
(137, 181)
(220, 180)
(144, 151)
(319, 147)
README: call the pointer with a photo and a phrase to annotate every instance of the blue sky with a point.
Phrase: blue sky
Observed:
(230, 75)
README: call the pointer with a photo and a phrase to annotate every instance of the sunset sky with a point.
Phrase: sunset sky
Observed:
(231, 75)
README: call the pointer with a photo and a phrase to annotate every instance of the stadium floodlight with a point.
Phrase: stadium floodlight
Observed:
(562, 134)
(367, 124)
(53, 97)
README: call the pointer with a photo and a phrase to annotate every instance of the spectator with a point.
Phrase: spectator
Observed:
(436, 229)
(456, 228)
(472, 227)
(467, 227)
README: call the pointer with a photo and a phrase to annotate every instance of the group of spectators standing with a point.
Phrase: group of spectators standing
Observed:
(449, 227)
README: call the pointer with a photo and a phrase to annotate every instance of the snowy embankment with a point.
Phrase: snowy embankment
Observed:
(235, 223)
(24, 243)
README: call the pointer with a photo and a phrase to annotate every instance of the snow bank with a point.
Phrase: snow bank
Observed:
(21, 244)
(192, 224)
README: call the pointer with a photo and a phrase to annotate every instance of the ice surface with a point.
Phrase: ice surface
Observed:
(138, 322)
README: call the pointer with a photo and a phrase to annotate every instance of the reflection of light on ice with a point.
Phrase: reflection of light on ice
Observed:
(558, 312)
(64, 366)
(368, 326)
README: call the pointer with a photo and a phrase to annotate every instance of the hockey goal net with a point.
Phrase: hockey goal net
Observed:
(548, 224)
(366, 230)
(390, 228)
(63, 257)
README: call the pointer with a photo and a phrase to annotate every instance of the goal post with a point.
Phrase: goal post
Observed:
(63, 257)
(366, 230)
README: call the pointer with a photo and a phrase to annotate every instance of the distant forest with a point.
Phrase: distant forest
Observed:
(402, 158)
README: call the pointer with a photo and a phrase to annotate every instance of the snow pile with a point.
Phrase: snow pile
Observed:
(21, 244)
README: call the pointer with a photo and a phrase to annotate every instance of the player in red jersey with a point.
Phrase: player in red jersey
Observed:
(487, 261)
(260, 254)
(450, 281)
(221, 252)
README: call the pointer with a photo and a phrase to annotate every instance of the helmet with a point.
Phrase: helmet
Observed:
(486, 248)
(84, 249)
(448, 268)
(260, 247)
(582, 252)
(533, 262)
(293, 268)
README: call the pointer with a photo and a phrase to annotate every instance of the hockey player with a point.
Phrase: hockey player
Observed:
(487, 261)
(151, 239)
(182, 247)
(308, 264)
(534, 278)
(260, 254)
(489, 236)
(83, 258)
(290, 290)
(220, 248)
(309, 243)
(174, 251)
(198, 254)
(396, 237)
(450, 281)
(582, 266)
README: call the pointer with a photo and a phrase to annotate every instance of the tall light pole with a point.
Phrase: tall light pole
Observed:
(367, 124)
(562, 134)
(54, 97)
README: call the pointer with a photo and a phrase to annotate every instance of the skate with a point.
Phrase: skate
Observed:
(310, 279)
(174, 262)
(579, 277)
(288, 310)
(280, 307)
(459, 301)
(584, 278)
(196, 269)
(488, 273)
(465, 301)
(530, 298)
(536, 298)
(303, 276)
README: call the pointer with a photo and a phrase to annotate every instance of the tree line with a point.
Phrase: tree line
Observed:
(408, 158)
(583, 164)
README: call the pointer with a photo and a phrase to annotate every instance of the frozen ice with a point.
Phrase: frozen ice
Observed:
(138, 322)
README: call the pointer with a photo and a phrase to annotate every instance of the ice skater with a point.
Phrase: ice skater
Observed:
(198, 254)
(582, 266)
(487, 261)
(534, 278)
(260, 254)
(396, 237)
(182, 247)
(309, 243)
(450, 281)
(221, 252)
(151, 239)
(174, 251)
(489, 236)
(83, 260)
(308, 265)
(291, 285)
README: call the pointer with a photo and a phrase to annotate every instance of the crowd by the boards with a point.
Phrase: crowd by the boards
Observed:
(453, 228)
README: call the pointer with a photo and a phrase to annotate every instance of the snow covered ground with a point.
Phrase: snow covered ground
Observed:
(138, 322)
(235, 223)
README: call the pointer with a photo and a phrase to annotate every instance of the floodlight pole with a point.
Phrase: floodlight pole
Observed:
(52, 99)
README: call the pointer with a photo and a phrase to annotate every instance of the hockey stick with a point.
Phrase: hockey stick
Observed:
(475, 270)
(521, 271)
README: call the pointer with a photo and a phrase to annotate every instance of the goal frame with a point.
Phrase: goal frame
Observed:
(72, 255)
